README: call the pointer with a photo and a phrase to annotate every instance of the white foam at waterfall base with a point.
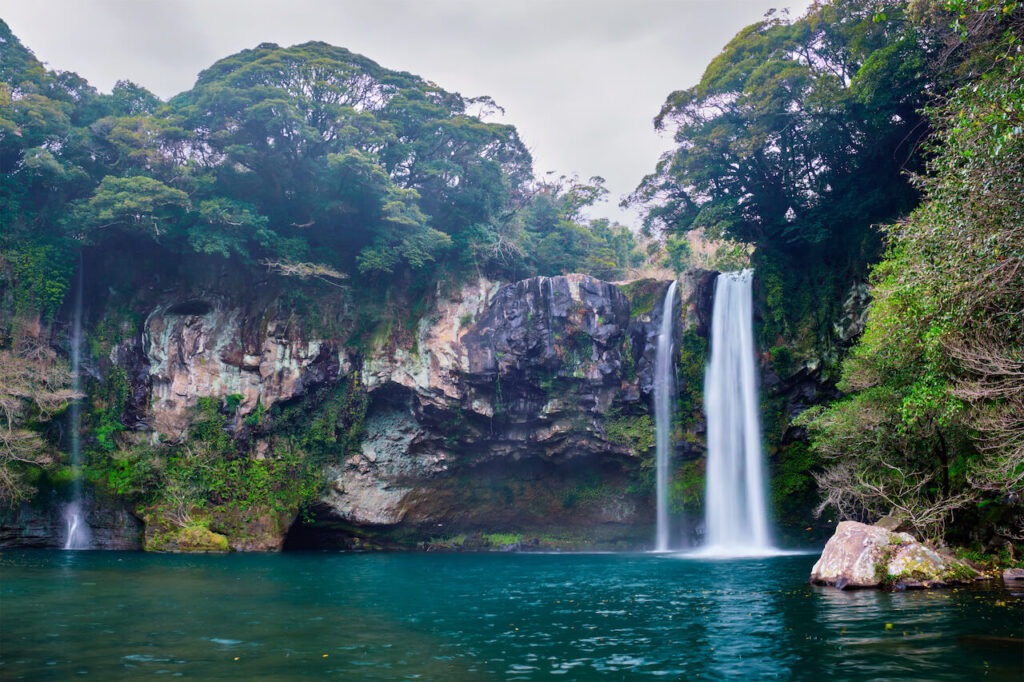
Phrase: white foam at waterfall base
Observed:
(77, 535)
(736, 516)
(664, 395)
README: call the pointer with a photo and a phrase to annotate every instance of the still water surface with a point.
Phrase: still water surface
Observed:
(113, 616)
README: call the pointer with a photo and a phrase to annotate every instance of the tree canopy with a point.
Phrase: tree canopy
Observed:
(798, 134)
(310, 157)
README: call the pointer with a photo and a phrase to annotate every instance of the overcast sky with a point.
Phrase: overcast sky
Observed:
(580, 79)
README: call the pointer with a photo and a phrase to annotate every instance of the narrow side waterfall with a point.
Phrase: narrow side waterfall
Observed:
(664, 394)
(77, 530)
(736, 518)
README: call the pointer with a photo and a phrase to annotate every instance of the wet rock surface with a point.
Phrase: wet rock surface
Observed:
(859, 555)
(500, 403)
(1015, 575)
(111, 526)
(510, 385)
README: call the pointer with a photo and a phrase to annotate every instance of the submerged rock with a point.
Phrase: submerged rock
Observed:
(1013, 575)
(859, 555)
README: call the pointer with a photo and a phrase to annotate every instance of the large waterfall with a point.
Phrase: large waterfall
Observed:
(664, 394)
(736, 519)
(77, 530)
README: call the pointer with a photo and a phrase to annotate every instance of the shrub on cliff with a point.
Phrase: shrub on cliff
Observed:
(34, 385)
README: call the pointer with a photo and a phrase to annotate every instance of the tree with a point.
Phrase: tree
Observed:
(798, 133)
(679, 253)
(376, 168)
(558, 238)
(134, 204)
(33, 387)
(934, 423)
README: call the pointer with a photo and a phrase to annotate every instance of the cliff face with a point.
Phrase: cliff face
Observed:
(518, 406)
(509, 413)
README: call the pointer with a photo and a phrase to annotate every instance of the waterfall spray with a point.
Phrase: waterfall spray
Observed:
(74, 516)
(736, 520)
(664, 393)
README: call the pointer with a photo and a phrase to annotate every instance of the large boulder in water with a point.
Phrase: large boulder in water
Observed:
(859, 555)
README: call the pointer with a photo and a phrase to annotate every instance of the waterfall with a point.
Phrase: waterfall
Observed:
(74, 515)
(736, 519)
(664, 394)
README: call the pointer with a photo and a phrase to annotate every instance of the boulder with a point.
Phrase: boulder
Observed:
(1013, 575)
(893, 523)
(859, 555)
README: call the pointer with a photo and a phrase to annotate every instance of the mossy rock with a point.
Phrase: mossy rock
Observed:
(254, 529)
(643, 295)
(162, 535)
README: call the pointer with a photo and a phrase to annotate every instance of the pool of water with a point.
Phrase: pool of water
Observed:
(114, 615)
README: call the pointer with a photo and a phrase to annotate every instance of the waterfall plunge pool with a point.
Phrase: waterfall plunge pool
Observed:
(488, 616)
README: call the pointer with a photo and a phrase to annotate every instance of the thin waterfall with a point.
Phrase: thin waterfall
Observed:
(664, 394)
(74, 515)
(736, 518)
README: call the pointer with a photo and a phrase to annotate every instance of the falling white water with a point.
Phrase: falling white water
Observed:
(664, 393)
(74, 516)
(736, 519)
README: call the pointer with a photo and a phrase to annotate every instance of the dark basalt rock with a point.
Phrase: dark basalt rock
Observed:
(530, 323)
(111, 525)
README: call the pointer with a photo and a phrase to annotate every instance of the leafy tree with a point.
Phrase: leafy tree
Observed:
(559, 238)
(798, 133)
(136, 204)
(349, 157)
(679, 253)
(33, 387)
(935, 420)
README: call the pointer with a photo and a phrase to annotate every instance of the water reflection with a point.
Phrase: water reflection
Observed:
(481, 617)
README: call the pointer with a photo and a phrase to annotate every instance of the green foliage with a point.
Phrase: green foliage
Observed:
(335, 429)
(276, 156)
(769, 141)
(643, 295)
(232, 401)
(554, 237)
(41, 275)
(210, 471)
(934, 420)
(133, 204)
(112, 328)
(107, 408)
(796, 140)
(687, 487)
(588, 492)
(634, 432)
(782, 360)
(679, 253)
(693, 359)
(793, 487)
(255, 417)
(502, 539)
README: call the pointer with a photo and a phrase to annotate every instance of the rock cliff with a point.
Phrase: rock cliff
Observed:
(518, 406)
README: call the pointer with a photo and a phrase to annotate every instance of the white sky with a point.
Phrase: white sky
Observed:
(580, 79)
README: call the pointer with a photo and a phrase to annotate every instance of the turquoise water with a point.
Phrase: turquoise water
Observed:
(114, 615)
